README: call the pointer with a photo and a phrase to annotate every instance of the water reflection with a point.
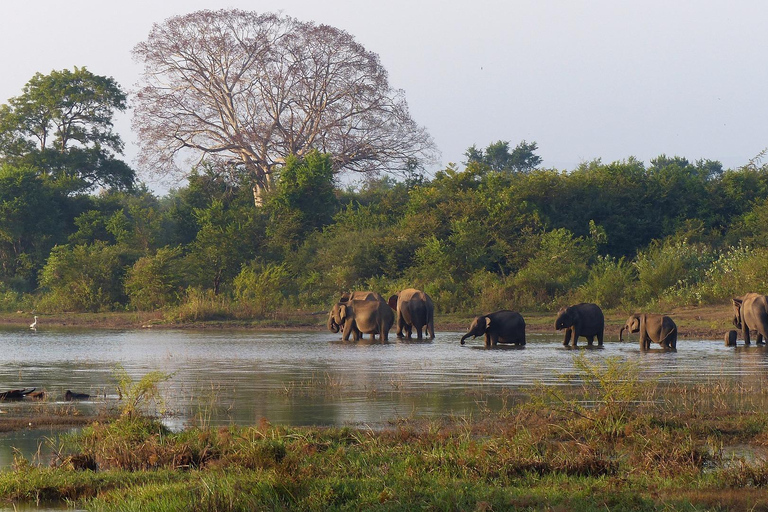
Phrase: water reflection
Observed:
(311, 378)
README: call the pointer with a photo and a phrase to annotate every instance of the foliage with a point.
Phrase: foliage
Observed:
(199, 305)
(498, 157)
(62, 124)
(138, 396)
(262, 289)
(609, 282)
(304, 200)
(156, 281)
(84, 277)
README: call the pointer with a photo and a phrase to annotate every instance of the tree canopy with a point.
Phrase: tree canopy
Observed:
(247, 90)
(62, 125)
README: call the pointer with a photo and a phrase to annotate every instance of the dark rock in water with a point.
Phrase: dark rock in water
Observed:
(15, 394)
(71, 395)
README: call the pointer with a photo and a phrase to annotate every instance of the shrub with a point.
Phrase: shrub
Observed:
(84, 278)
(156, 281)
(261, 289)
(200, 305)
(608, 283)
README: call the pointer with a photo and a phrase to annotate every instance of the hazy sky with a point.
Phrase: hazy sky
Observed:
(584, 79)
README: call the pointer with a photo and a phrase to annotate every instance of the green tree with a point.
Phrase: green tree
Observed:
(30, 224)
(304, 200)
(498, 157)
(62, 124)
(85, 278)
(156, 281)
(220, 247)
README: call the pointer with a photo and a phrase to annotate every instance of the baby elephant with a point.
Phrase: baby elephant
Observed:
(500, 327)
(652, 328)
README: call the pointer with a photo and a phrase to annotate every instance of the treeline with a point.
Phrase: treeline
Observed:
(476, 238)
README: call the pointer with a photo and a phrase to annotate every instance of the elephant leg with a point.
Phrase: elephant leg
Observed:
(567, 339)
(590, 340)
(400, 325)
(487, 339)
(745, 333)
(760, 339)
(409, 330)
(600, 339)
(494, 339)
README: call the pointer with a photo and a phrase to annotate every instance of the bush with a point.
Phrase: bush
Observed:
(84, 278)
(608, 283)
(201, 305)
(670, 269)
(261, 289)
(156, 281)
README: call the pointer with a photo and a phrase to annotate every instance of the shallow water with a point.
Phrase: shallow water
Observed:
(311, 378)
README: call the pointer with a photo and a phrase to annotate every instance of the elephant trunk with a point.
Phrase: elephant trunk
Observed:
(621, 332)
(332, 325)
(463, 338)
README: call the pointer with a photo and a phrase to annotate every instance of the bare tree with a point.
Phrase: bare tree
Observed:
(248, 90)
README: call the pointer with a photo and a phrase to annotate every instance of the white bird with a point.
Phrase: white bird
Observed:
(33, 325)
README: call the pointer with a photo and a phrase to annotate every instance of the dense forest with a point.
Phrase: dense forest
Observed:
(79, 232)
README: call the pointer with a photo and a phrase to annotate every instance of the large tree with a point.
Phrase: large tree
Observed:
(62, 125)
(247, 90)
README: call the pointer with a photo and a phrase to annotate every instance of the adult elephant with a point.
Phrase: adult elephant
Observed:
(503, 326)
(415, 310)
(750, 311)
(659, 329)
(347, 296)
(363, 317)
(585, 319)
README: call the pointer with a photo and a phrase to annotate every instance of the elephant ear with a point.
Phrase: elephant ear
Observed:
(487, 321)
(393, 302)
(737, 301)
(343, 311)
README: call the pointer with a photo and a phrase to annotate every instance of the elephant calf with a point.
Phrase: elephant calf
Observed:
(585, 319)
(652, 328)
(500, 327)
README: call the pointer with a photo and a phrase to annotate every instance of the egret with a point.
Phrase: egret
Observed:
(33, 325)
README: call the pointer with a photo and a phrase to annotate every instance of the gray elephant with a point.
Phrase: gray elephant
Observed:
(499, 327)
(415, 310)
(652, 328)
(750, 311)
(363, 317)
(347, 296)
(585, 319)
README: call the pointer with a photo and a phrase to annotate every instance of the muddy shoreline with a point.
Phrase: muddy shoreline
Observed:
(702, 322)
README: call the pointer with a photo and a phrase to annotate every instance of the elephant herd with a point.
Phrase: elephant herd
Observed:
(359, 313)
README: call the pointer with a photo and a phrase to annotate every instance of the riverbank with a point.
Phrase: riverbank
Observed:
(700, 322)
(613, 443)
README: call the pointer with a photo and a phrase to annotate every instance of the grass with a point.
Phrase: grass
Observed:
(606, 441)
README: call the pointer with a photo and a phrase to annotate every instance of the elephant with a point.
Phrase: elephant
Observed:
(415, 310)
(347, 296)
(750, 311)
(499, 327)
(363, 316)
(730, 338)
(652, 328)
(585, 319)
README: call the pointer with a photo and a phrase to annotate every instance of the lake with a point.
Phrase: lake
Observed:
(311, 378)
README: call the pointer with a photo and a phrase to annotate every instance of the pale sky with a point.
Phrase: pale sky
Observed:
(585, 79)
